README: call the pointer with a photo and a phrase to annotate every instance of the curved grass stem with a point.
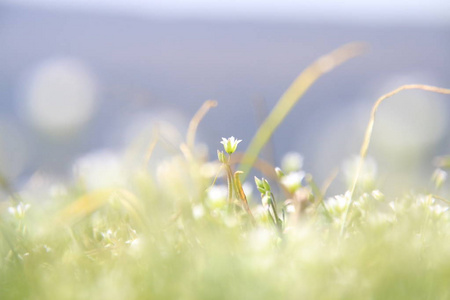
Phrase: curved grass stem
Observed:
(368, 136)
(292, 95)
(193, 125)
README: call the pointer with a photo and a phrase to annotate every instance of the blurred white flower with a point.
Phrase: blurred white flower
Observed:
(293, 180)
(425, 200)
(290, 208)
(437, 210)
(337, 205)
(292, 162)
(133, 243)
(19, 210)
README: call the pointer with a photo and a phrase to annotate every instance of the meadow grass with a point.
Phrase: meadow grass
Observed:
(167, 229)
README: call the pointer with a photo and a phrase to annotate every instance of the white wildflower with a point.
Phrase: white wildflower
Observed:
(19, 210)
(437, 210)
(230, 144)
(337, 205)
(293, 180)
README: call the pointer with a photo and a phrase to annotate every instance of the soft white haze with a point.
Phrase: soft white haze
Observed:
(431, 12)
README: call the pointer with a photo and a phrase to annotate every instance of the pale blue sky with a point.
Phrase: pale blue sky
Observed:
(422, 12)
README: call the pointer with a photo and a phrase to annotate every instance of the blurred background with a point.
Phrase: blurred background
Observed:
(78, 77)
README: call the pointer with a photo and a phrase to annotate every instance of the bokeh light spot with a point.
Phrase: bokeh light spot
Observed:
(60, 96)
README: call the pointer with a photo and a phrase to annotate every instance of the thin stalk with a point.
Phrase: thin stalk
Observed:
(193, 125)
(295, 91)
(368, 136)
(229, 183)
(273, 205)
(241, 195)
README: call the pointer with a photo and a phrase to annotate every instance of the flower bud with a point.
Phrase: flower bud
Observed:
(221, 156)
(279, 172)
(262, 185)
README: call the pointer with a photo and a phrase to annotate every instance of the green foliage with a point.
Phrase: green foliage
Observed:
(162, 228)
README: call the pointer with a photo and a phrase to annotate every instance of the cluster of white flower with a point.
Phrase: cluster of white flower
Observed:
(337, 205)
(19, 210)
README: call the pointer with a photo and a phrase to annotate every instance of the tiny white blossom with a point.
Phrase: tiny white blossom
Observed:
(437, 210)
(230, 144)
(425, 200)
(337, 205)
(290, 208)
(293, 180)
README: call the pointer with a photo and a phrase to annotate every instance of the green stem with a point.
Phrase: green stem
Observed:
(230, 182)
(288, 100)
